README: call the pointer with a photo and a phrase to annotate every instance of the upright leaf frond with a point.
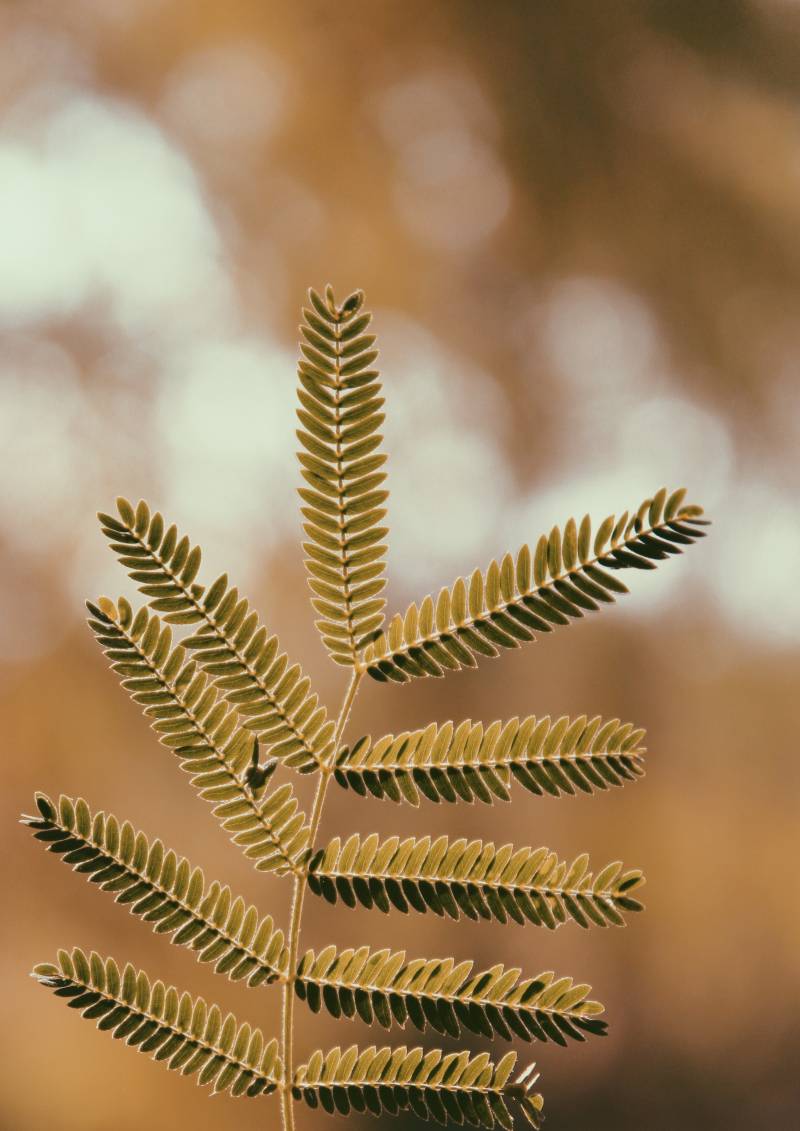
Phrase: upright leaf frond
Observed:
(340, 415)
(163, 889)
(387, 988)
(204, 734)
(472, 878)
(245, 662)
(473, 762)
(233, 707)
(444, 1087)
(512, 600)
(181, 1031)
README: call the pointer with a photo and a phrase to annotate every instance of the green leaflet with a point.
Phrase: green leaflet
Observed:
(162, 889)
(433, 1085)
(182, 1032)
(512, 600)
(206, 736)
(384, 988)
(339, 415)
(246, 664)
(473, 762)
(472, 878)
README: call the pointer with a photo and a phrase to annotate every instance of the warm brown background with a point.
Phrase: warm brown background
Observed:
(578, 225)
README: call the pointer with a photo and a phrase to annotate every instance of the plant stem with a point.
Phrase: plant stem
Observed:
(298, 898)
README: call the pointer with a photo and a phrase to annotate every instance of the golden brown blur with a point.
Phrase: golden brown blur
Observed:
(578, 226)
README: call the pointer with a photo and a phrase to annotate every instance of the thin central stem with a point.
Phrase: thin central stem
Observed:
(298, 898)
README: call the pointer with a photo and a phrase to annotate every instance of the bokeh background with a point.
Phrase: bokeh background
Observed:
(579, 227)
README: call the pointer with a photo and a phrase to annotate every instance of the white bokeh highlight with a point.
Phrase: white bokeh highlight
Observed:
(97, 206)
(449, 478)
(450, 187)
(45, 462)
(227, 96)
(225, 430)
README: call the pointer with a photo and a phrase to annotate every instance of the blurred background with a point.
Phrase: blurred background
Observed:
(578, 225)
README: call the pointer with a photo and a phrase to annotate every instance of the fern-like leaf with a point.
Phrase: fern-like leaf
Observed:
(384, 987)
(340, 415)
(473, 762)
(443, 1087)
(244, 661)
(204, 734)
(472, 878)
(511, 601)
(162, 889)
(182, 1032)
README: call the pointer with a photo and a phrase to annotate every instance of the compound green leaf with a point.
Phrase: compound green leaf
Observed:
(162, 889)
(437, 1086)
(510, 604)
(272, 696)
(386, 988)
(182, 1032)
(472, 878)
(204, 734)
(477, 762)
(342, 465)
